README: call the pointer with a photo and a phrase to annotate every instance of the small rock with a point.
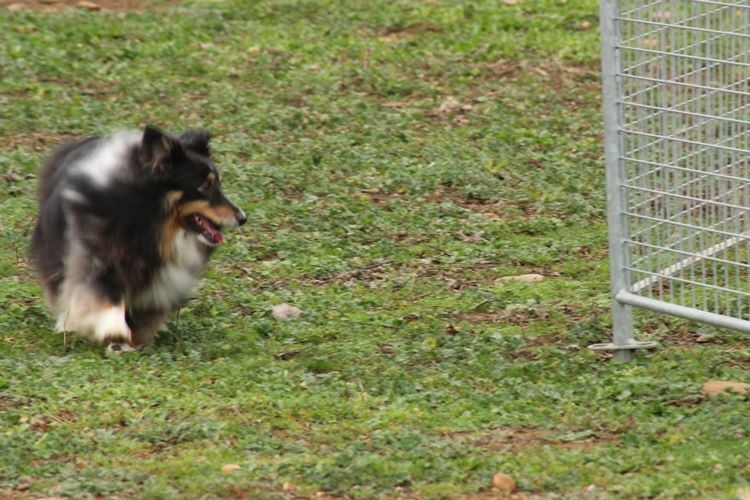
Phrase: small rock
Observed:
(702, 339)
(743, 493)
(288, 487)
(503, 482)
(227, 468)
(585, 25)
(526, 278)
(285, 311)
(714, 388)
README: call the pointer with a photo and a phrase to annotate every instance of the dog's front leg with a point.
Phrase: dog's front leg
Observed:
(88, 313)
(91, 302)
(146, 326)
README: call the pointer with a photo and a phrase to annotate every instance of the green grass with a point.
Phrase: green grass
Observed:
(395, 158)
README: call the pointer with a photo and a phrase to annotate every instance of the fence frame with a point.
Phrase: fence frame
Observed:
(627, 292)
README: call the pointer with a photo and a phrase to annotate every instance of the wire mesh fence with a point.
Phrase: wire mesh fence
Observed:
(676, 78)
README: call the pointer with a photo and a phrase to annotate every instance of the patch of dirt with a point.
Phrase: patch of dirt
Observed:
(558, 78)
(495, 495)
(567, 85)
(518, 317)
(682, 336)
(461, 275)
(495, 209)
(37, 141)
(520, 437)
(679, 336)
(523, 316)
(396, 33)
(530, 351)
(366, 273)
(377, 196)
(91, 5)
(573, 74)
(742, 362)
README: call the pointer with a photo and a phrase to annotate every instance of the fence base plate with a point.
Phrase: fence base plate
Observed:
(630, 346)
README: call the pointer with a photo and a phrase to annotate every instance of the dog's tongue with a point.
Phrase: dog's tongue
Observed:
(209, 231)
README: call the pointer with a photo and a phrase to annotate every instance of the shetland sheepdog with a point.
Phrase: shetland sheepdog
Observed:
(125, 228)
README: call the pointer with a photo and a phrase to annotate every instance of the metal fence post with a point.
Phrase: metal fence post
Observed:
(622, 316)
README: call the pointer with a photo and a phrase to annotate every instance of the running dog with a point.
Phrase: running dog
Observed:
(125, 229)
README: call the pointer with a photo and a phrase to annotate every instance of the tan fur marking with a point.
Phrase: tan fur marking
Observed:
(172, 198)
(161, 160)
(221, 214)
(168, 235)
(171, 225)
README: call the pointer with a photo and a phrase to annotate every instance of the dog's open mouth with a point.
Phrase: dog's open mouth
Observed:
(205, 227)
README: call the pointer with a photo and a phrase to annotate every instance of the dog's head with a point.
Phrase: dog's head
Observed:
(192, 185)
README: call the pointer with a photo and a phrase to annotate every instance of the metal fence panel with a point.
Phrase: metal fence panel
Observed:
(676, 77)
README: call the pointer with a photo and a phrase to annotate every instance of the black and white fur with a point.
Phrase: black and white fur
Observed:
(125, 228)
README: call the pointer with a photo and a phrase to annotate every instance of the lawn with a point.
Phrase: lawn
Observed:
(396, 160)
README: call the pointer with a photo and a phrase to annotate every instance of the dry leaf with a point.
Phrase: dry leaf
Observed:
(15, 7)
(503, 482)
(88, 5)
(511, 2)
(227, 468)
(285, 311)
(714, 388)
(449, 105)
(526, 278)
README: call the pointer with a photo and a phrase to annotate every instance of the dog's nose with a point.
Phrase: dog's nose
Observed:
(241, 217)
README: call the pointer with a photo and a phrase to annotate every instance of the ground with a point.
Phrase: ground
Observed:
(396, 160)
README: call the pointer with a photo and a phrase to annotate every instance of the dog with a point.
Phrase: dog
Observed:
(125, 229)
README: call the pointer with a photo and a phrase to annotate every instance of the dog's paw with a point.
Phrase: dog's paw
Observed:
(111, 327)
(118, 348)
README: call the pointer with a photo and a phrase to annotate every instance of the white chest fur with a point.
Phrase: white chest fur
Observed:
(175, 281)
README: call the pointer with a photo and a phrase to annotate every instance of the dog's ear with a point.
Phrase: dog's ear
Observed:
(197, 141)
(159, 150)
